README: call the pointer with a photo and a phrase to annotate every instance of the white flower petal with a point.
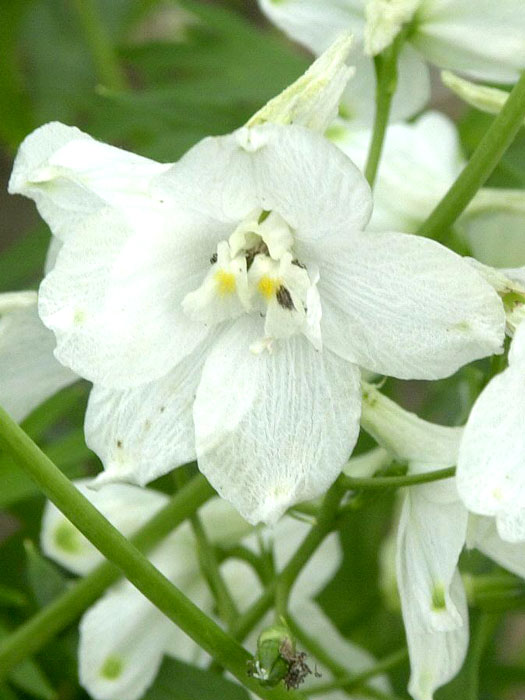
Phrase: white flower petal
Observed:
(29, 372)
(288, 169)
(405, 306)
(418, 164)
(435, 657)
(114, 297)
(122, 641)
(275, 428)
(123, 637)
(490, 473)
(431, 534)
(71, 175)
(144, 432)
(126, 507)
(483, 39)
(483, 534)
(316, 24)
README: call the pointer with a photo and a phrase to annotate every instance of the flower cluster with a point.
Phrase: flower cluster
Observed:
(228, 308)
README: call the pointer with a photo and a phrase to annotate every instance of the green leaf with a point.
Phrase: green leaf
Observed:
(45, 579)
(180, 681)
(22, 264)
(12, 597)
(27, 677)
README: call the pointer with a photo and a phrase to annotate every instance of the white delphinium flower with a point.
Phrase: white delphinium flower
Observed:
(123, 637)
(29, 373)
(483, 39)
(237, 285)
(434, 527)
(239, 276)
(491, 465)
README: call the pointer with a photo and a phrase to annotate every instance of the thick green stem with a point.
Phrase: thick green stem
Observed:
(100, 45)
(383, 482)
(386, 77)
(485, 158)
(137, 569)
(36, 632)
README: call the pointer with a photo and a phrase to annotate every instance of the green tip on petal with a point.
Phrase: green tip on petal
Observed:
(438, 598)
(67, 538)
(112, 668)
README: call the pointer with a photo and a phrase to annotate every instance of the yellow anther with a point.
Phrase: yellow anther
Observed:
(267, 286)
(226, 283)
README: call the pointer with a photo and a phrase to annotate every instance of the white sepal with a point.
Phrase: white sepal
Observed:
(312, 100)
(29, 372)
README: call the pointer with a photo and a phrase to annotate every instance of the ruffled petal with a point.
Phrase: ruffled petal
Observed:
(287, 169)
(483, 39)
(490, 473)
(275, 428)
(405, 306)
(114, 297)
(144, 432)
(126, 507)
(71, 175)
(29, 372)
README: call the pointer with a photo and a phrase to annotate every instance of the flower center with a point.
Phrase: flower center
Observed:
(255, 271)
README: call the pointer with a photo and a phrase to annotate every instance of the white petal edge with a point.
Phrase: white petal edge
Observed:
(71, 175)
(29, 372)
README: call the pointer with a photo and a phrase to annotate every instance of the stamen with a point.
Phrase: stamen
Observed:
(267, 286)
(225, 282)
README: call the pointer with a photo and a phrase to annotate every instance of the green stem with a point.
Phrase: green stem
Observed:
(386, 84)
(137, 569)
(485, 158)
(102, 51)
(350, 682)
(481, 637)
(382, 482)
(226, 606)
(36, 632)
(325, 522)
(324, 525)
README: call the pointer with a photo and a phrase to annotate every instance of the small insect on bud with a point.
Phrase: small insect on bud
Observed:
(277, 660)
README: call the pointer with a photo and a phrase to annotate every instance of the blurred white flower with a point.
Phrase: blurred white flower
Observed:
(491, 465)
(482, 39)
(123, 637)
(238, 281)
(434, 527)
(29, 373)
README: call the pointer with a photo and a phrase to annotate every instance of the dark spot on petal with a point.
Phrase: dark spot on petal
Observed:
(284, 298)
(119, 443)
(162, 409)
(299, 264)
(213, 259)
